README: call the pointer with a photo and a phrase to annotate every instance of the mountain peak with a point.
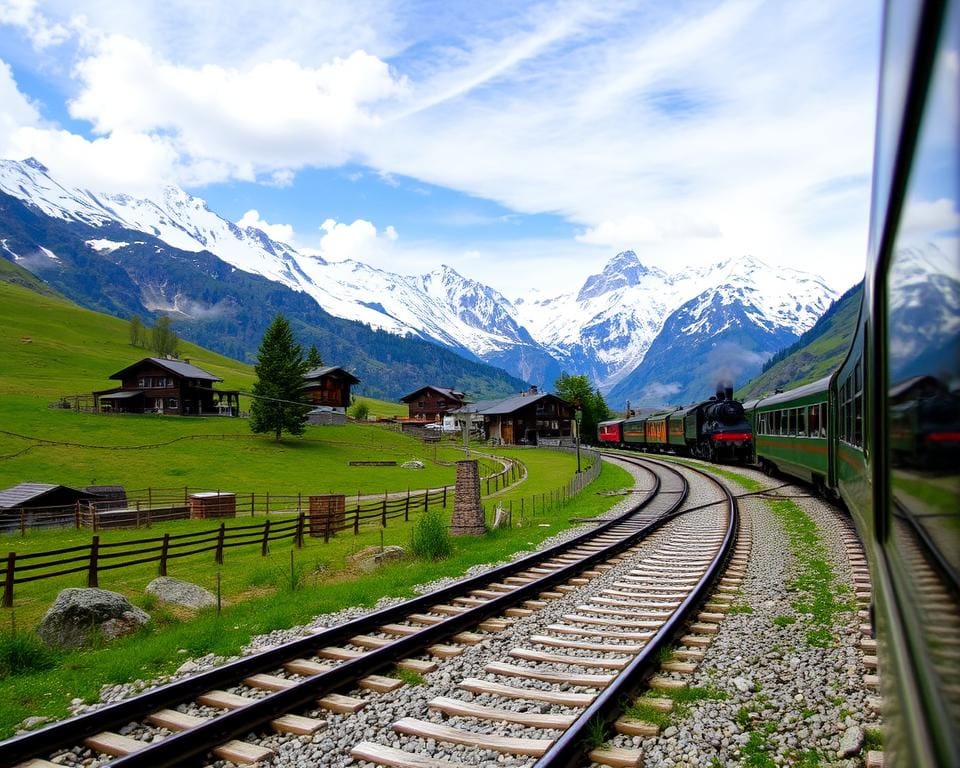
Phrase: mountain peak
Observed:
(623, 270)
(32, 162)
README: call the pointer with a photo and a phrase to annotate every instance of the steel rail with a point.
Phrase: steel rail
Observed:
(181, 748)
(571, 747)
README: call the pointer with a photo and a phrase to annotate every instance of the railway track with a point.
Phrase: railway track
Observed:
(559, 641)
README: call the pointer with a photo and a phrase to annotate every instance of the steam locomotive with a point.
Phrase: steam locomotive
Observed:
(716, 430)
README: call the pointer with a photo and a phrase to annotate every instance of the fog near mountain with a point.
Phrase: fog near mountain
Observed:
(636, 331)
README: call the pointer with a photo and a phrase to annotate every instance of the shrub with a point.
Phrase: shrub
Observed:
(431, 539)
(360, 410)
(22, 652)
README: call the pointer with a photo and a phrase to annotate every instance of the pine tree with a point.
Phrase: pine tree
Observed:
(313, 358)
(278, 389)
(164, 339)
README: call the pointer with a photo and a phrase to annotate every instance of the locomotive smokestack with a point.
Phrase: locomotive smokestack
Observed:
(720, 393)
(728, 393)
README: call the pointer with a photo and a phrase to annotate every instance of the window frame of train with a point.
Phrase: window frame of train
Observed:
(916, 606)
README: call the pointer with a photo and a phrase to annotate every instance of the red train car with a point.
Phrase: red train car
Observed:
(610, 433)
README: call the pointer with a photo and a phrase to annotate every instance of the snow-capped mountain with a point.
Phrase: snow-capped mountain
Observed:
(605, 330)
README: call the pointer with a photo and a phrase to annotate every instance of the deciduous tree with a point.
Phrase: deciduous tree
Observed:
(577, 390)
(138, 332)
(279, 404)
(164, 340)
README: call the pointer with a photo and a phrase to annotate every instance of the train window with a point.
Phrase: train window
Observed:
(802, 422)
(823, 419)
(919, 462)
(813, 420)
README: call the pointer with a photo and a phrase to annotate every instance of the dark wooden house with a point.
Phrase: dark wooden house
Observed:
(529, 419)
(159, 385)
(430, 404)
(329, 386)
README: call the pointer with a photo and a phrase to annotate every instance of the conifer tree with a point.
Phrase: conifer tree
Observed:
(279, 404)
(313, 358)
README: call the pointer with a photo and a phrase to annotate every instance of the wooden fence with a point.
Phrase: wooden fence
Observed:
(146, 507)
(96, 557)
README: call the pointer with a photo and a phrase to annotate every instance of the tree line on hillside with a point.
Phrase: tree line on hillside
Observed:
(161, 338)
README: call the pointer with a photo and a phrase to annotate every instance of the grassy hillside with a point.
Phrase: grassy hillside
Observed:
(817, 353)
(50, 347)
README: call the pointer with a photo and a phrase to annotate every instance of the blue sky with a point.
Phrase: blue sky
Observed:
(523, 144)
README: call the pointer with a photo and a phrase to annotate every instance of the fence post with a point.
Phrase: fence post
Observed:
(328, 521)
(299, 501)
(300, 523)
(406, 508)
(164, 549)
(8, 580)
(383, 511)
(426, 499)
(219, 554)
(253, 501)
(444, 497)
(356, 522)
(265, 544)
(94, 554)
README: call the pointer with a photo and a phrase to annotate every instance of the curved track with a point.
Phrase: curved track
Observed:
(294, 678)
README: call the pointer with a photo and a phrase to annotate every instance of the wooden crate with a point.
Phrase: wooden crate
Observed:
(212, 504)
(327, 514)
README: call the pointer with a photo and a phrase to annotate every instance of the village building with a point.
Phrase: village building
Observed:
(430, 404)
(162, 385)
(328, 390)
(530, 418)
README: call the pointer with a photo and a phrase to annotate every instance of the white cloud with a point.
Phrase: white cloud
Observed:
(685, 132)
(24, 14)
(358, 241)
(282, 233)
(272, 117)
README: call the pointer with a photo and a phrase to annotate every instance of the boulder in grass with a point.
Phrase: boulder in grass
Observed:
(80, 617)
(181, 593)
(370, 558)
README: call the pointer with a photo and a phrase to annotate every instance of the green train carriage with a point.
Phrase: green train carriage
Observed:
(792, 433)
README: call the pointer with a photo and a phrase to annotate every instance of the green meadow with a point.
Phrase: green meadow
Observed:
(50, 348)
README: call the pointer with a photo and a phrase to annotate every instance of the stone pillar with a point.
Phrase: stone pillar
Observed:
(467, 513)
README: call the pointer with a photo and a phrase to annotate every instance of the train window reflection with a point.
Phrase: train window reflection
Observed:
(923, 398)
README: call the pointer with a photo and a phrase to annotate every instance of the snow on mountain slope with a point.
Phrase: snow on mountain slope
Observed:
(604, 330)
(608, 327)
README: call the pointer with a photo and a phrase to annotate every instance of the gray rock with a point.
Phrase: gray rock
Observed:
(742, 684)
(851, 742)
(370, 558)
(78, 617)
(181, 593)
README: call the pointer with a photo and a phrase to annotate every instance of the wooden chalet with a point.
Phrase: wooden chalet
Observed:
(329, 386)
(530, 418)
(161, 385)
(431, 404)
